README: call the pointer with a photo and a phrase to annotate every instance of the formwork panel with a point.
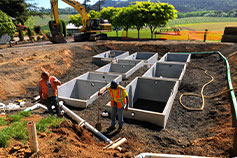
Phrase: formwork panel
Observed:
(124, 69)
(149, 58)
(83, 90)
(150, 99)
(176, 57)
(108, 56)
(172, 70)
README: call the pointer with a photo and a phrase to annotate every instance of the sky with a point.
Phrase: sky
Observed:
(61, 4)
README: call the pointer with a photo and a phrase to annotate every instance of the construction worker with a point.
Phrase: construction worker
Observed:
(119, 102)
(47, 89)
(205, 35)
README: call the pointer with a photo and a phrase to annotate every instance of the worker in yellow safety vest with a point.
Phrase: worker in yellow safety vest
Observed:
(119, 102)
(47, 89)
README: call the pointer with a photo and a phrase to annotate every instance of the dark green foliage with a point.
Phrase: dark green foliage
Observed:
(21, 36)
(19, 9)
(29, 32)
(51, 121)
(6, 25)
(60, 27)
(64, 28)
(37, 29)
(17, 130)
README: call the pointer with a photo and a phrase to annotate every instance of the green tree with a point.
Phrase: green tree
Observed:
(6, 25)
(137, 16)
(75, 19)
(110, 13)
(124, 17)
(19, 9)
(94, 14)
(21, 36)
(64, 28)
(158, 14)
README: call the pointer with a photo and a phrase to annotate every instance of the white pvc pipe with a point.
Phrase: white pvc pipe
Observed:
(77, 118)
(81, 121)
(153, 155)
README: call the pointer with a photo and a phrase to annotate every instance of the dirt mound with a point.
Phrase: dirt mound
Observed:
(69, 140)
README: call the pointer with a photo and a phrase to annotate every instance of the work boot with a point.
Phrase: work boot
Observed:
(111, 128)
(120, 128)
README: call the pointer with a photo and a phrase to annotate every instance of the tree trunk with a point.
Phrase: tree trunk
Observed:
(138, 33)
(117, 32)
(126, 33)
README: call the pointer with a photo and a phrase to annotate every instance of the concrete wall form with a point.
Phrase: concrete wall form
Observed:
(176, 57)
(124, 68)
(108, 56)
(83, 90)
(150, 89)
(172, 70)
(149, 58)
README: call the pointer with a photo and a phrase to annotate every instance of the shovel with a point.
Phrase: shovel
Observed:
(98, 124)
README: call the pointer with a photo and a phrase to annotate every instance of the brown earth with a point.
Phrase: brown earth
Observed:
(204, 133)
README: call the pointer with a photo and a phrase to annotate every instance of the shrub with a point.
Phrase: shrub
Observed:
(64, 28)
(37, 29)
(29, 32)
(6, 25)
(3, 122)
(21, 36)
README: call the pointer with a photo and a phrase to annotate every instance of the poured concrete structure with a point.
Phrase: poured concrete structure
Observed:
(172, 70)
(124, 67)
(150, 99)
(83, 90)
(149, 58)
(108, 56)
(176, 57)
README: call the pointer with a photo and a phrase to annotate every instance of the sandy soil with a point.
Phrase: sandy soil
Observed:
(204, 133)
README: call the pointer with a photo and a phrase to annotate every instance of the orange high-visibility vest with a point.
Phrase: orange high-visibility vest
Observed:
(120, 100)
(44, 87)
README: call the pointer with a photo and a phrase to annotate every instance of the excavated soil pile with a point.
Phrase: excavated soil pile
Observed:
(69, 140)
(204, 133)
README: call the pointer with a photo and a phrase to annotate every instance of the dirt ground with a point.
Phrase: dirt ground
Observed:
(203, 133)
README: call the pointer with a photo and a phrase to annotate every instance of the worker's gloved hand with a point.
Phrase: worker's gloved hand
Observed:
(99, 93)
(126, 108)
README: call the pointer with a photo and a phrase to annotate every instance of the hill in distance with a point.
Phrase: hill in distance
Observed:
(181, 5)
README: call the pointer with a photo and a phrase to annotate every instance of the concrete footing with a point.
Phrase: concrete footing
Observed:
(108, 56)
(176, 57)
(150, 99)
(83, 90)
(125, 68)
(149, 58)
(172, 70)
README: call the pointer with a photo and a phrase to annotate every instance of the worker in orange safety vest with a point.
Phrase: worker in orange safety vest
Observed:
(119, 102)
(47, 89)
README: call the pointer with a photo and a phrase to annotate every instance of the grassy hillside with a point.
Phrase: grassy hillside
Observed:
(43, 22)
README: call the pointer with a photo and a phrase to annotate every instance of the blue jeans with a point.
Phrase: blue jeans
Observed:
(49, 102)
(115, 112)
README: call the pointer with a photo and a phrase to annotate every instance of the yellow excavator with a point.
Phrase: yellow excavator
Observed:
(92, 29)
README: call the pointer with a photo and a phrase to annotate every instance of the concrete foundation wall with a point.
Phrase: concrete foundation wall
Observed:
(150, 89)
(176, 57)
(148, 57)
(124, 69)
(83, 90)
(108, 56)
(167, 70)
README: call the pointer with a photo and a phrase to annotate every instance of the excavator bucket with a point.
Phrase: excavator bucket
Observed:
(57, 39)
